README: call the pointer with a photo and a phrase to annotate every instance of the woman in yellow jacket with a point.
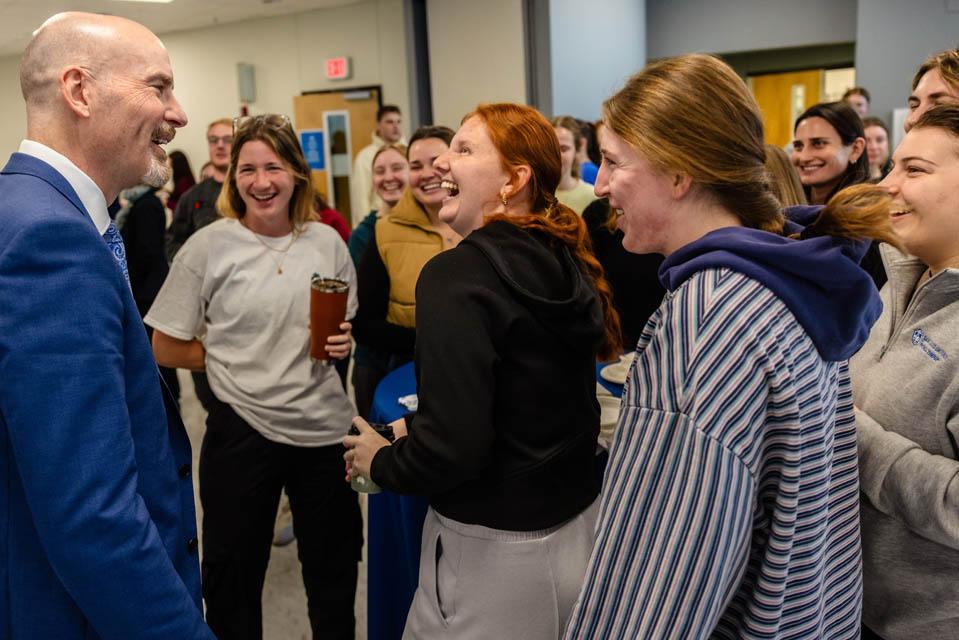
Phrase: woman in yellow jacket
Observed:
(404, 240)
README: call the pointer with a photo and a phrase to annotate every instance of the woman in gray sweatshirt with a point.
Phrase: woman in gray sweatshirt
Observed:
(906, 390)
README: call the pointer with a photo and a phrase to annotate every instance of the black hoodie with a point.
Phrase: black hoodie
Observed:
(507, 331)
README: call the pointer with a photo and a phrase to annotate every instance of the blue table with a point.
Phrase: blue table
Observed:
(395, 527)
(612, 387)
(395, 524)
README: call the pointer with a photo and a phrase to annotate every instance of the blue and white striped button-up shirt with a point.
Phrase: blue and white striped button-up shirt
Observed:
(730, 506)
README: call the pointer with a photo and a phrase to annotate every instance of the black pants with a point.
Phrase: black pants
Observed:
(342, 367)
(168, 374)
(201, 386)
(172, 382)
(241, 476)
(869, 634)
(365, 379)
(369, 373)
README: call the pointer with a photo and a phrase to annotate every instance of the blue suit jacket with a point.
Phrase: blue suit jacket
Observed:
(97, 521)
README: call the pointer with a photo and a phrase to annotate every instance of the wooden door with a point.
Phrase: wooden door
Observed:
(348, 119)
(782, 97)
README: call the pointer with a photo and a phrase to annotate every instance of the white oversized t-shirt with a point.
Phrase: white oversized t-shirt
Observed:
(224, 288)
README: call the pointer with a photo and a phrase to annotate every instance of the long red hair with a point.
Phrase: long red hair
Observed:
(524, 137)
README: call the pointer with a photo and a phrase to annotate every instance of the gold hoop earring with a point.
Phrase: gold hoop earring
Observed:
(504, 199)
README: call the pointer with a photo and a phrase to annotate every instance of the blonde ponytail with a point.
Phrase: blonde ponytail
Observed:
(857, 212)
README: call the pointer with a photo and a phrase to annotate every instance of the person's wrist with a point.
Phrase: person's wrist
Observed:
(379, 458)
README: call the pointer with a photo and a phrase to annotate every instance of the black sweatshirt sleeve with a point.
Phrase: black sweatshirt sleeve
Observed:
(149, 233)
(143, 236)
(451, 436)
(182, 226)
(154, 236)
(373, 294)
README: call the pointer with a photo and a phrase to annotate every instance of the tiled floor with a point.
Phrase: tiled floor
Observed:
(284, 600)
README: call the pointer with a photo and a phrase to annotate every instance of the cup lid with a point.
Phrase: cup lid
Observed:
(332, 285)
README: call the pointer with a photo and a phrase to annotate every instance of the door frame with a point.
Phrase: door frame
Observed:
(328, 150)
(368, 87)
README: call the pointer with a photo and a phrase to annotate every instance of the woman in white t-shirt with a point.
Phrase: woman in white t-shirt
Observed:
(236, 303)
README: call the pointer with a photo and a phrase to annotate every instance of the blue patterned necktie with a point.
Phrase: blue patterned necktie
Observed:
(115, 242)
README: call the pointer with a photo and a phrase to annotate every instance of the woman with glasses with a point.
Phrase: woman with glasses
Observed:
(236, 303)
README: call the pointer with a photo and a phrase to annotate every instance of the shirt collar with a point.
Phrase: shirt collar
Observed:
(87, 190)
(380, 142)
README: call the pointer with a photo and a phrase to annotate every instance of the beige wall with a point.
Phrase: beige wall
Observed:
(13, 121)
(476, 55)
(287, 53)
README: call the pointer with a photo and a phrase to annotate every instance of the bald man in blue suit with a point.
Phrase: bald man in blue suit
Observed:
(97, 523)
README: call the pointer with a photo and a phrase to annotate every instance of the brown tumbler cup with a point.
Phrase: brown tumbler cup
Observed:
(327, 310)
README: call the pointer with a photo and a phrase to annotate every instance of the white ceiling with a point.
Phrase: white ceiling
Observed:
(21, 17)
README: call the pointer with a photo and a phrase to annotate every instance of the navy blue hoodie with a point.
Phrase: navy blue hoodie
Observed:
(818, 278)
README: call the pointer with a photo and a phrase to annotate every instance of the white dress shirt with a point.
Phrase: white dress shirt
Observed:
(87, 190)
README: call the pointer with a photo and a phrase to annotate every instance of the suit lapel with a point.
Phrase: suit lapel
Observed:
(23, 164)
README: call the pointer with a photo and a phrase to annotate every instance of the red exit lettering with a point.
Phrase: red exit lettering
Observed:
(337, 68)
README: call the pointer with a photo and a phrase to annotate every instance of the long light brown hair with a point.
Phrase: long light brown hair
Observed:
(277, 133)
(694, 115)
(784, 182)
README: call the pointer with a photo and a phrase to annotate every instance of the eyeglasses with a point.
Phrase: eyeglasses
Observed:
(227, 140)
(272, 120)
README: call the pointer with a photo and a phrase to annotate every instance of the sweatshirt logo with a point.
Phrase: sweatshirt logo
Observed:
(930, 348)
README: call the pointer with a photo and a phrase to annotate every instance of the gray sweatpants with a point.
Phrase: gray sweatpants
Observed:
(480, 583)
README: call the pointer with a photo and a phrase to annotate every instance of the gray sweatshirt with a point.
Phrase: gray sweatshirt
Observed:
(906, 390)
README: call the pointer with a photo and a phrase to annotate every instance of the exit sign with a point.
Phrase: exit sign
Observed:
(338, 68)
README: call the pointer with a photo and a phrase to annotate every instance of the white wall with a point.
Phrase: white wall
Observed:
(592, 53)
(894, 39)
(287, 53)
(682, 26)
(476, 55)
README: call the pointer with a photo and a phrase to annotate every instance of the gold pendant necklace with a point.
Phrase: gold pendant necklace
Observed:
(271, 250)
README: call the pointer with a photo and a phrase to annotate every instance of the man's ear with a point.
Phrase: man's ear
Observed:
(682, 183)
(75, 90)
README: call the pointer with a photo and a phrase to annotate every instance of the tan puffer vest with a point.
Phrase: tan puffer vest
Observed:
(406, 241)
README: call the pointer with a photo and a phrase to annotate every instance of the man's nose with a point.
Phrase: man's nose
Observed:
(175, 113)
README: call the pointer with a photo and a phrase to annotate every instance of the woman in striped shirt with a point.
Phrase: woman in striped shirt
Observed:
(730, 505)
